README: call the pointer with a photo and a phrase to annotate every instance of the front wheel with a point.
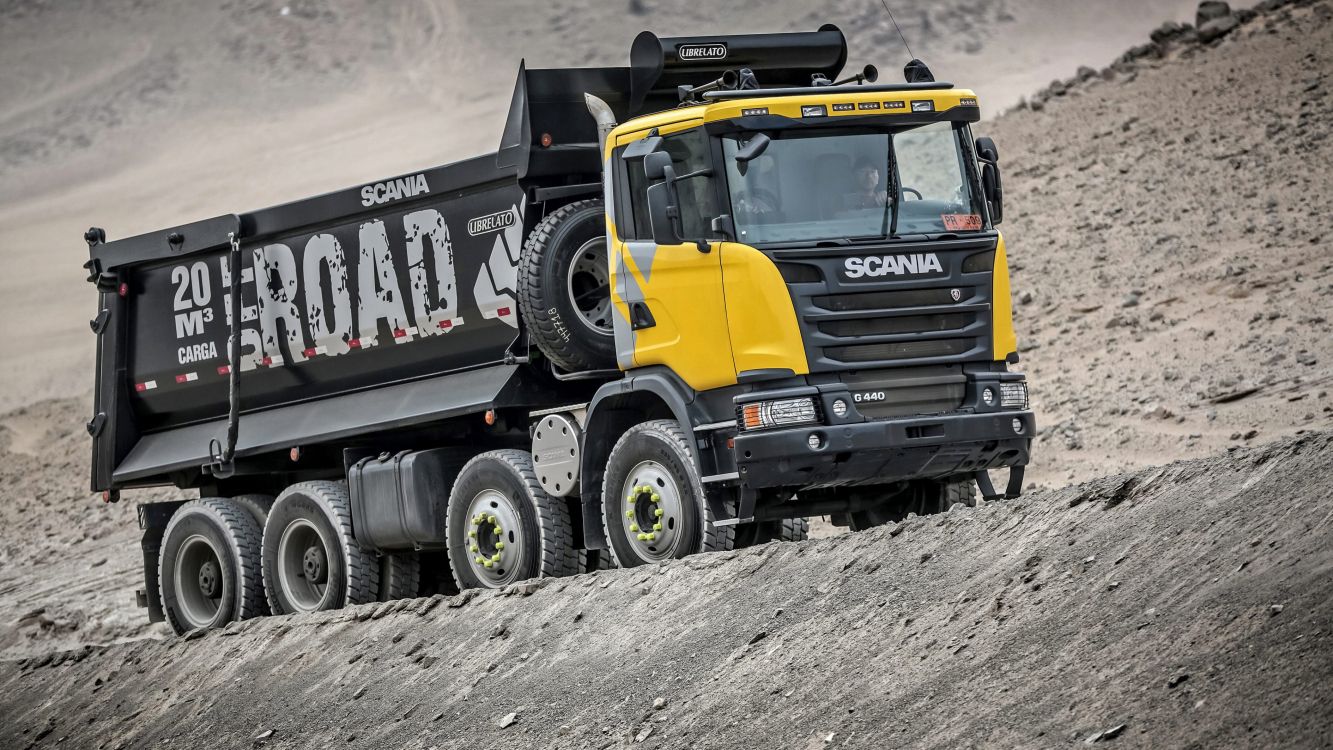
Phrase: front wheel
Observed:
(653, 503)
(923, 498)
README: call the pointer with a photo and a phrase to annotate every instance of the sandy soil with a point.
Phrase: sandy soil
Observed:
(1186, 606)
(1165, 225)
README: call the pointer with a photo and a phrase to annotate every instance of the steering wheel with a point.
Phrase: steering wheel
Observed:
(759, 196)
(913, 191)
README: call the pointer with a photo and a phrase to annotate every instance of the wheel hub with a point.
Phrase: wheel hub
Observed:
(315, 564)
(209, 580)
(495, 538)
(651, 516)
(589, 285)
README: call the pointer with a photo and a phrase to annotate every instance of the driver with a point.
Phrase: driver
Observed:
(868, 194)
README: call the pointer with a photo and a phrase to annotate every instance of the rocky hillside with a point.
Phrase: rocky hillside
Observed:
(1167, 222)
(1185, 606)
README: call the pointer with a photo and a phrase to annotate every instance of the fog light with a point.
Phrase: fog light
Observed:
(839, 408)
(815, 441)
(988, 395)
(1018, 425)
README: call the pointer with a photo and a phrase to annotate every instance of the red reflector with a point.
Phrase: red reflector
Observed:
(268, 361)
(731, 442)
(547, 140)
(446, 324)
(503, 312)
(490, 416)
(398, 333)
(224, 370)
(354, 343)
(295, 453)
(124, 290)
(310, 352)
(181, 378)
(141, 387)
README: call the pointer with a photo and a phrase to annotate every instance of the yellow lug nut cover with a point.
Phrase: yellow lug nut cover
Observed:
(474, 548)
(657, 527)
(659, 512)
(629, 514)
(489, 564)
(642, 537)
(497, 530)
(655, 497)
(652, 537)
(472, 533)
(634, 527)
(499, 545)
(480, 559)
(495, 557)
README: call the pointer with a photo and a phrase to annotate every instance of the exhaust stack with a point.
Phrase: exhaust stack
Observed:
(606, 120)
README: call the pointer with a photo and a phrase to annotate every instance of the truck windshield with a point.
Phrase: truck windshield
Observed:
(842, 184)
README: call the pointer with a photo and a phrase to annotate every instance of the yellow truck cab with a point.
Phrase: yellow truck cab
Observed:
(812, 274)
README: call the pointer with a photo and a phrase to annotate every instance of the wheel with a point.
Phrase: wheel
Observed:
(257, 506)
(653, 504)
(779, 530)
(564, 287)
(501, 527)
(922, 498)
(400, 576)
(311, 560)
(208, 568)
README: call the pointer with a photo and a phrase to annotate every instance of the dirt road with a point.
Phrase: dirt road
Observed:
(1190, 605)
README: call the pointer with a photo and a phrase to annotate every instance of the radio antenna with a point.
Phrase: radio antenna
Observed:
(898, 28)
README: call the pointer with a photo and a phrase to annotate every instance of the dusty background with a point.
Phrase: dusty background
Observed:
(1166, 221)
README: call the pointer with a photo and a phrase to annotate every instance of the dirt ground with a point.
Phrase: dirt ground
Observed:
(1165, 224)
(1183, 606)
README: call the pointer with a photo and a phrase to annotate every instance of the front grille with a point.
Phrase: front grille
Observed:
(902, 350)
(904, 324)
(899, 320)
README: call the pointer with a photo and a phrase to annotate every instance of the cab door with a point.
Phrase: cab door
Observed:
(669, 299)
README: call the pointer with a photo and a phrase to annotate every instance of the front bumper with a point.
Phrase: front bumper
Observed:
(884, 451)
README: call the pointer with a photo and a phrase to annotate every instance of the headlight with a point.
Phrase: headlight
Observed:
(1014, 395)
(780, 413)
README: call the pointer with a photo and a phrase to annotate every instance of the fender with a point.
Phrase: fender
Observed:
(649, 393)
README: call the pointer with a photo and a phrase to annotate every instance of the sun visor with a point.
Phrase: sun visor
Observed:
(659, 64)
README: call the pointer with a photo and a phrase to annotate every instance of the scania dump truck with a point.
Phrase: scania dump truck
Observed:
(687, 304)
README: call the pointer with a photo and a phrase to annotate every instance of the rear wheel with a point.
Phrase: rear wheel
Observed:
(400, 576)
(502, 527)
(208, 567)
(780, 530)
(922, 498)
(564, 287)
(311, 560)
(653, 503)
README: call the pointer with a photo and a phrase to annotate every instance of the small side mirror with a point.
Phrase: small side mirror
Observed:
(994, 189)
(656, 164)
(986, 150)
(756, 146)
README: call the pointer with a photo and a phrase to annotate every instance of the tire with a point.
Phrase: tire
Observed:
(209, 566)
(780, 530)
(564, 287)
(923, 498)
(535, 537)
(311, 560)
(258, 506)
(652, 469)
(400, 576)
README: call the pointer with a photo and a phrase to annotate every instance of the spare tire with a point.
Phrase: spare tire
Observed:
(564, 287)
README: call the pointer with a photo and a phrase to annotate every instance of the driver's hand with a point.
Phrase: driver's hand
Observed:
(882, 198)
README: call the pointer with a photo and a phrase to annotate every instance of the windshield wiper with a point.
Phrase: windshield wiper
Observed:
(889, 227)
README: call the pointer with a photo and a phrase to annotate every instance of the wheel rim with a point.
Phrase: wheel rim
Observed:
(651, 516)
(197, 575)
(495, 539)
(589, 285)
(303, 566)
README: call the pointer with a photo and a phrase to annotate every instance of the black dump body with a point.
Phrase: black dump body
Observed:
(376, 311)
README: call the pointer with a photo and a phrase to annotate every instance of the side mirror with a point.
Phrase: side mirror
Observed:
(656, 164)
(990, 178)
(756, 146)
(664, 213)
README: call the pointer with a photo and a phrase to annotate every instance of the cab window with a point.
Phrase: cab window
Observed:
(689, 154)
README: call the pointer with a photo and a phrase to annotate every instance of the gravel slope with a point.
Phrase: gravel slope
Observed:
(1190, 605)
